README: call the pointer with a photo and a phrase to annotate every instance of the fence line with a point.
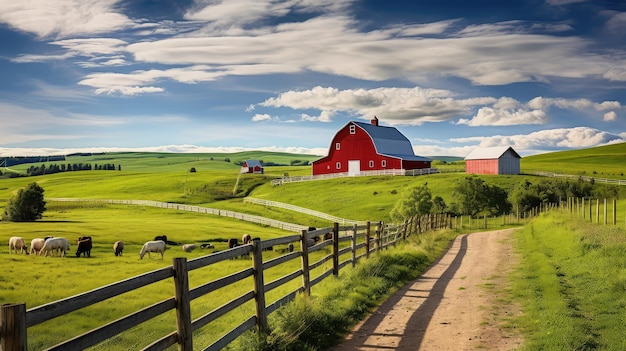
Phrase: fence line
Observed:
(307, 211)
(384, 172)
(200, 209)
(353, 242)
(577, 177)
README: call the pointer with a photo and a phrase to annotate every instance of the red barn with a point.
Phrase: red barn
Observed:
(493, 160)
(252, 166)
(359, 147)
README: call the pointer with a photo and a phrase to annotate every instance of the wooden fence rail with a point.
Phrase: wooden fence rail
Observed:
(347, 245)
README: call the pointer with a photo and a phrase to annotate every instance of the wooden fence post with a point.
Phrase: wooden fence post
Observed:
(183, 309)
(379, 232)
(13, 327)
(354, 229)
(605, 219)
(336, 249)
(306, 277)
(259, 286)
(614, 212)
(597, 210)
(367, 240)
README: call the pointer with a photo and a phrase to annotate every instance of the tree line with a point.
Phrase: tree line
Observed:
(70, 167)
(474, 197)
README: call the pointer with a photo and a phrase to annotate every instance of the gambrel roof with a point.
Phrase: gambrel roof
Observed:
(389, 141)
(490, 153)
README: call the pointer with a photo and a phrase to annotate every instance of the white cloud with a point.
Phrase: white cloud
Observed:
(395, 105)
(549, 139)
(610, 116)
(488, 54)
(487, 116)
(261, 117)
(63, 18)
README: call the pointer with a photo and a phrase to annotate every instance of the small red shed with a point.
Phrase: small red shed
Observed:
(493, 160)
(252, 166)
(359, 147)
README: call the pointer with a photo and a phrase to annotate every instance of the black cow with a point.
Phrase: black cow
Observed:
(84, 246)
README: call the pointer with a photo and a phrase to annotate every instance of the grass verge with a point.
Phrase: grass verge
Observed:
(336, 305)
(571, 283)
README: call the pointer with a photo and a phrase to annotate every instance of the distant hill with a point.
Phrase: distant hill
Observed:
(607, 161)
(446, 159)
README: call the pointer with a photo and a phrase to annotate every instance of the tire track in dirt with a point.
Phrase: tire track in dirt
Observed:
(449, 307)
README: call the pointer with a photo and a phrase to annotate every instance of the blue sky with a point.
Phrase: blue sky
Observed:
(233, 75)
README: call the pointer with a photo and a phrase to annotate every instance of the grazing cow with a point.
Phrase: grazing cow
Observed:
(118, 248)
(232, 243)
(189, 247)
(246, 239)
(37, 244)
(207, 246)
(328, 236)
(152, 246)
(17, 243)
(61, 244)
(290, 247)
(84, 246)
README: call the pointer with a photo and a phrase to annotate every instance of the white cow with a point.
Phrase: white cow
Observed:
(61, 244)
(17, 243)
(36, 245)
(152, 246)
(189, 247)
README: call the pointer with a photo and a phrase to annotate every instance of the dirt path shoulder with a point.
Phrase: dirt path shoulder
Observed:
(452, 306)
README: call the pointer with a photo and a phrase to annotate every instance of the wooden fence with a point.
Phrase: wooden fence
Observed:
(348, 245)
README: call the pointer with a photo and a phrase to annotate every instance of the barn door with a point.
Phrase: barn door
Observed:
(354, 167)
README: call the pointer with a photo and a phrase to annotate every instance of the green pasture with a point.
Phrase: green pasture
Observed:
(571, 284)
(600, 162)
(215, 184)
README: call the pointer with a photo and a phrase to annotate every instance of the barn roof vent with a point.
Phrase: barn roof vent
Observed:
(374, 121)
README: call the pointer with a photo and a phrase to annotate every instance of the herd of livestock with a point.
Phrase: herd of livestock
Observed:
(59, 246)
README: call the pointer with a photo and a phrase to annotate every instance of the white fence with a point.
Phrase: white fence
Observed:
(581, 177)
(213, 211)
(302, 210)
(386, 172)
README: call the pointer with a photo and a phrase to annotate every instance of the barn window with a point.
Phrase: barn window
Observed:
(337, 146)
(371, 164)
(338, 165)
(384, 163)
(352, 129)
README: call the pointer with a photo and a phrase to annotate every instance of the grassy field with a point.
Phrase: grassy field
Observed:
(571, 284)
(166, 177)
(600, 162)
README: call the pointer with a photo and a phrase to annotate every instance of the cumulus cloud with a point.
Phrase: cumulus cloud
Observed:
(549, 139)
(610, 116)
(397, 105)
(487, 116)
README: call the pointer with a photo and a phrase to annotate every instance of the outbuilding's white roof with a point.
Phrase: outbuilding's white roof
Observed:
(490, 153)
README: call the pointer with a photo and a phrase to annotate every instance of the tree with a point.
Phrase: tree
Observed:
(476, 197)
(417, 202)
(27, 206)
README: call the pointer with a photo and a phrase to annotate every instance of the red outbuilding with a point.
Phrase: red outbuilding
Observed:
(493, 160)
(360, 147)
(252, 166)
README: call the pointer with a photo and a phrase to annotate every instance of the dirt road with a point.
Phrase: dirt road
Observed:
(452, 306)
